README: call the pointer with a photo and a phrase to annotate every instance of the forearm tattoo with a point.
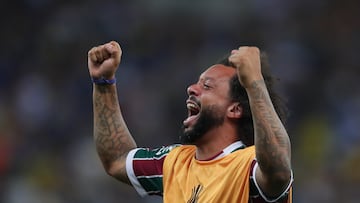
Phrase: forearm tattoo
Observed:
(271, 139)
(111, 135)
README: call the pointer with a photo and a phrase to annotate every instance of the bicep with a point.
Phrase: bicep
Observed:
(267, 190)
(118, 170)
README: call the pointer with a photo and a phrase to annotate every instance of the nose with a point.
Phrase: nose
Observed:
(193, 90)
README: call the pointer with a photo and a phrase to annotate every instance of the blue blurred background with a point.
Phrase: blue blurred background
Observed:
(47, 152)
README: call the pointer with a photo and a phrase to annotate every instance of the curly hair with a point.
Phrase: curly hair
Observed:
(238, 94)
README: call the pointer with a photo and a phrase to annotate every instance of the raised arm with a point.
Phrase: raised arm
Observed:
(112, 137)
(273, 151)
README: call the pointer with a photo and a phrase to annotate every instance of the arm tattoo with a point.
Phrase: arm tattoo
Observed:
(271, 139)
(111, 135)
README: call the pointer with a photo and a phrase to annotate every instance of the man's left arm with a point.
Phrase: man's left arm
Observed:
(273, 150)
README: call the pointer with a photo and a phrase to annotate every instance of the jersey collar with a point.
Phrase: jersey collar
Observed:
(228, 150)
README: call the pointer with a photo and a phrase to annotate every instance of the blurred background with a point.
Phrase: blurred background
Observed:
(47, 153)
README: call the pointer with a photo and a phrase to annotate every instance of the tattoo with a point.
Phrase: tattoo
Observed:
(271, 139)
(111, 135)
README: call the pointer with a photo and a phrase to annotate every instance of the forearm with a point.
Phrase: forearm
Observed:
(112, 137)
(272, 143)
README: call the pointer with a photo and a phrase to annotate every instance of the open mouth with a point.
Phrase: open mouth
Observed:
(193, 112)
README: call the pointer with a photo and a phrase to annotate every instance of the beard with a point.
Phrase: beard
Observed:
(209, 118)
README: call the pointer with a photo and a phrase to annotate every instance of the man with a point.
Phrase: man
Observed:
(236, 148)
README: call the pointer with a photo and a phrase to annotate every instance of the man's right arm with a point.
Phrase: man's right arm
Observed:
(112, 137)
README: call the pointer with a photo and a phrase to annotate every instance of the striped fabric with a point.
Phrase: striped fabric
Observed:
(145, 171)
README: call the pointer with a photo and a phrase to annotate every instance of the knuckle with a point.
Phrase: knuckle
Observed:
(91, 51)
(256, 49)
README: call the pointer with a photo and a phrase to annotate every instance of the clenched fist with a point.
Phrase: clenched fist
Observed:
(248, 64)
(104, 60)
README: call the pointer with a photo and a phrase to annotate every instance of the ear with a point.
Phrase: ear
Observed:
(234, 110)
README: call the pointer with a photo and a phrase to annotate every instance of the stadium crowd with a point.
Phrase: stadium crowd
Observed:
(47, 153)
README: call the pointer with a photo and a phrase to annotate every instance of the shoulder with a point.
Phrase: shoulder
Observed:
(144, 167)
(184, 148)
(247, 153)
(181, 152)
(179, 156)
(156, 153)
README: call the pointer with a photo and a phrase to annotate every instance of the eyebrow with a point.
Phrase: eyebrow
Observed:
(207, 79)
(212, 79)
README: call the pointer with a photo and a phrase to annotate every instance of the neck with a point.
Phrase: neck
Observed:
(213, 143)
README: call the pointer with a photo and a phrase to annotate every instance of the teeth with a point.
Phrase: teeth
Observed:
(191, 106)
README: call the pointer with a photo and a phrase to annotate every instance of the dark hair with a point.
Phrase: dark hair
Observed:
(238, 94)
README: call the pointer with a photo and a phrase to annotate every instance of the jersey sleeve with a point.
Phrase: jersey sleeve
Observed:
(144, 168)
(257, 195)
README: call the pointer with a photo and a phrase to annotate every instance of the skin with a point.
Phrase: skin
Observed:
(112, 137)
(273, 150)
(114, 141)
(212, 89)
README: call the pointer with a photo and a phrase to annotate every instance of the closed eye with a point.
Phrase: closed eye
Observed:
(206, 83)
(206, 86)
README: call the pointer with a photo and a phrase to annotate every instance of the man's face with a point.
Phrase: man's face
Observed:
(207, 103)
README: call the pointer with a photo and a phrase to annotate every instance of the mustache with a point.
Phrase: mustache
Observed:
(194, 99)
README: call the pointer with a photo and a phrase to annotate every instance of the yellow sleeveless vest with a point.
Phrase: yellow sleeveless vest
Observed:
(188, 180)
